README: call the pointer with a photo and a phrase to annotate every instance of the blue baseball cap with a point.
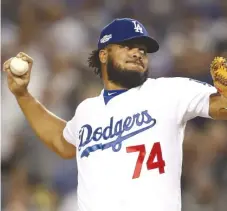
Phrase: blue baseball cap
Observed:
(125, 29)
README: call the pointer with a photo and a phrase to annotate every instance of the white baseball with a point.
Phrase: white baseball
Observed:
(18, 66)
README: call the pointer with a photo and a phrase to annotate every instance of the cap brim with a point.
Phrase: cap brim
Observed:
(151, 44)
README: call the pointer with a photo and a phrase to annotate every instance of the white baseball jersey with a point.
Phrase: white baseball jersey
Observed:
(129, 150)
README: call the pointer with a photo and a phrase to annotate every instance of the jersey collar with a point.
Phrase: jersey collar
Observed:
(109, 94)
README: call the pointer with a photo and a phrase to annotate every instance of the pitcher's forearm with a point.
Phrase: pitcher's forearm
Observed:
(47, 126)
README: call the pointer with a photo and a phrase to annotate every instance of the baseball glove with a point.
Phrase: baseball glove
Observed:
(218, 70)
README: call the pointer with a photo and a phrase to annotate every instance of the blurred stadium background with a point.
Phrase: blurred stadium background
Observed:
(59, 35)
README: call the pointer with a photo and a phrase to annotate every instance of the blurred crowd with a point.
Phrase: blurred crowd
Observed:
(60, 35)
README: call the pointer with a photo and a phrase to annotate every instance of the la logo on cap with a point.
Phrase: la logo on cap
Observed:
(137, 27)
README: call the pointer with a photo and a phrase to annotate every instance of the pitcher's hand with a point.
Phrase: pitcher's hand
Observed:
(18, 84)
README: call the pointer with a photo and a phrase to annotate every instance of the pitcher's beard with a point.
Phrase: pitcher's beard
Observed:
(125, 78)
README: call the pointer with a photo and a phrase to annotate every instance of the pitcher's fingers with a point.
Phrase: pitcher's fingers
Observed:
(19, 55)
(25, 57)
(26, 75)
(9, 72)
(13, 76)
(7, 64)
(5, 67)
(28, 59)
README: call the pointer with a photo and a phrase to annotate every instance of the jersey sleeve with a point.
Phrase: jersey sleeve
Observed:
(194, 99)
(69, 131)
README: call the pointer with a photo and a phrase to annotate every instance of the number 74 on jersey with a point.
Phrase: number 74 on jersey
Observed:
(156, 152)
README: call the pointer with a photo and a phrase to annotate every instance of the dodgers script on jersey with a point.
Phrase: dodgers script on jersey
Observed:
(129, 150)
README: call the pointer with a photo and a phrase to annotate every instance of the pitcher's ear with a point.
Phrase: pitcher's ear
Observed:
(103, 56)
